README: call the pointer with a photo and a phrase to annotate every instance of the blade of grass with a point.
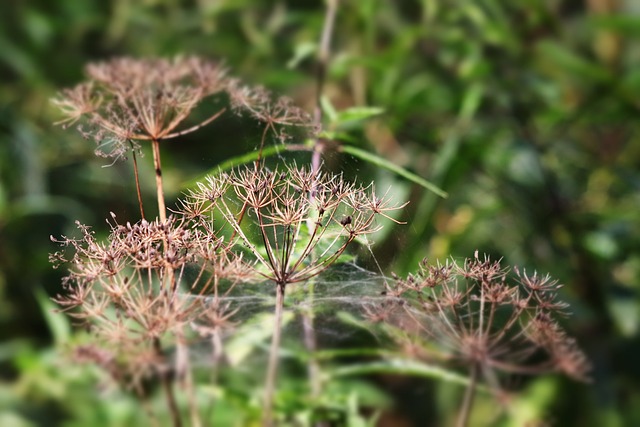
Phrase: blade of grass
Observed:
(383, 163)
(403, 367)
(236, 161)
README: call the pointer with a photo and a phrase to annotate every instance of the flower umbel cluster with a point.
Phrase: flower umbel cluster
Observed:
(477, 316)
(131, 290)
(483, 321)
(295, 223)
(128, 99)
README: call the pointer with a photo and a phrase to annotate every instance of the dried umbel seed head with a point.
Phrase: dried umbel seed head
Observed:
(479, 316)
(128, 99)
(294, 222)
(279, 114)
(144, 284)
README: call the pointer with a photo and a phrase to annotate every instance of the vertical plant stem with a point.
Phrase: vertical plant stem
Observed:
(148, 409)
(321, 72)
(217, 358)
(311, 344)
(165, 379)
(137, 178)
(184, 372)
(323, 61)
(162, 210)
(469, 394)
(272, 369)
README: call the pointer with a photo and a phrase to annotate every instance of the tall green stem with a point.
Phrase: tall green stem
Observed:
(321, 72)
(469, 395)
(272, 369)
(165, 379)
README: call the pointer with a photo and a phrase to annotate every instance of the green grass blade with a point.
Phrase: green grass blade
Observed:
(379, 161)
(237, 161)
(402, 367)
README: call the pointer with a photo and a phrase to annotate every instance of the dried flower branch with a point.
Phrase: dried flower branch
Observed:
(292, 237)
(476, 317)
(284, 226)
(131, 292)
(279, 114)
(126, 100)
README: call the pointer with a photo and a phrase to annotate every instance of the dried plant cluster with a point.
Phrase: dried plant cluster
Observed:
(248, 225)
(478, 317)
(139, 291)
(154, 287)
(132, 293)
(128, 99)
(125, 101)
(299, 222)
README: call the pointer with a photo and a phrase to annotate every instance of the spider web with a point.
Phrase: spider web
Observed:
(342, 292)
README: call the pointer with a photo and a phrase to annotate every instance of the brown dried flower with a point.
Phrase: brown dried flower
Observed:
(128, 99)
(132, 290)
(480, 319)
(488, 320)
(294, 223)
(292, 236)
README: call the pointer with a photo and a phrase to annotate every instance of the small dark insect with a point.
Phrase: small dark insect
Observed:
(346, 220)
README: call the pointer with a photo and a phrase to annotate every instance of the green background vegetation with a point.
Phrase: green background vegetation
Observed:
(524, 112)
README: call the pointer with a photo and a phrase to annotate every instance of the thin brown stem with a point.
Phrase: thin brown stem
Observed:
(469, 395)
(137, 178)
(196, 127)
(162, 210)
(321, 72)
(165, 379)
(272, 369)
(186, 375)
(311, 345)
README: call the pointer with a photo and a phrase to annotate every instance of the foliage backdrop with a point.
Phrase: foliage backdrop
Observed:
(524, 112)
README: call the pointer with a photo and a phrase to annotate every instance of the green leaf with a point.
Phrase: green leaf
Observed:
(570, 62)
(10, 418)
(237, 161)
(328, 109)
(252, 335)
(355, 418)
(355, 114)
(402, 367)
(302, 52)
(383, 163)
(57, 322)
(628, 25)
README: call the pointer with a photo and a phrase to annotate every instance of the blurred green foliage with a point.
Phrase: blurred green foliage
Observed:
(525, 113)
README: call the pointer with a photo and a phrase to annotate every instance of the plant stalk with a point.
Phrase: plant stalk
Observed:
(167, 386)
(321, 72)
(162, 210)
(272, 369)
(469, 395)
(137, 178)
